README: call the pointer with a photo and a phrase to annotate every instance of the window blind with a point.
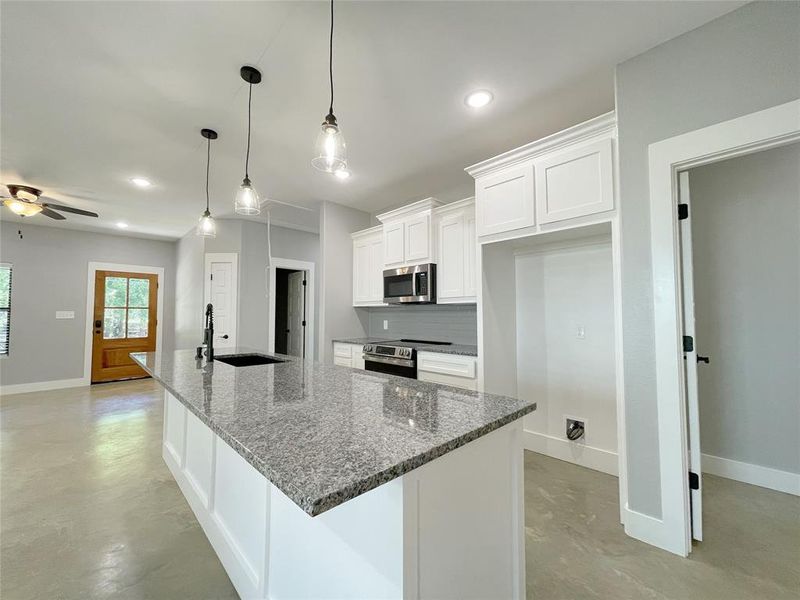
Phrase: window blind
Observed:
(5, 307)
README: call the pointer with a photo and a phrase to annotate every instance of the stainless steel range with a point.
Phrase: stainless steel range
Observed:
(395, 357)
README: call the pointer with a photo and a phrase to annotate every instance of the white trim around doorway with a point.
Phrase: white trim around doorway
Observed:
(297, 265)
(103, 266)
(763, 130)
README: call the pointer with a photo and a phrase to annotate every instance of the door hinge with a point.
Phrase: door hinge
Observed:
(694, 481)
(304, 281)
(211, 277)
(304, 323)
(688, 343)
(683, 211)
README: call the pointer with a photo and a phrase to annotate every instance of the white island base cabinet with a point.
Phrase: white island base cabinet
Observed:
(452, 528)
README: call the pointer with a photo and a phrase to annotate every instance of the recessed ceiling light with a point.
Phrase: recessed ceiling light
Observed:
(122, 225)
(342, 173)
(479, 98)
(140, 182)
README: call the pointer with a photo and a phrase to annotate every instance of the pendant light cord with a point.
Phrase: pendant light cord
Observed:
(208, 166)
(247, 156)
(330, 61)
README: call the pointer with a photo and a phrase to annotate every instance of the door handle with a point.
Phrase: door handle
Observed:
(703, 359)
(98, 324)
(225, 337)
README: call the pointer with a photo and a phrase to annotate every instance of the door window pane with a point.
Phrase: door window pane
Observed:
(116, 291)
(139, 293)
(114, 323)
(137, 321)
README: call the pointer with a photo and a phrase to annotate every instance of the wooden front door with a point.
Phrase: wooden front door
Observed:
(124, 322)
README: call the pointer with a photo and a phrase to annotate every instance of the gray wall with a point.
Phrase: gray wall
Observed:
(455, 323)
(746, 247)
(50, 267)
(338, 319)
(189, 267)
(745, 61)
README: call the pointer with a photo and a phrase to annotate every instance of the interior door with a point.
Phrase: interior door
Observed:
(690, 358)
(125, 321)
(296, 314)
(222, 291)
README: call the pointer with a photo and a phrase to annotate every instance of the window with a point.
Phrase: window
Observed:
(125, 307)
(5, 307)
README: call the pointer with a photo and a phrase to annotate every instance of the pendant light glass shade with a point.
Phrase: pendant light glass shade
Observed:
(247, 200)
(331, 150)
(206, 226)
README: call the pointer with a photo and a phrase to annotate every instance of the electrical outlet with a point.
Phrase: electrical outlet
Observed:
(576, 429)
(385, 324)
(581, 333)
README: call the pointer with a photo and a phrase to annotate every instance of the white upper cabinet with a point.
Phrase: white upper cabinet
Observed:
(504, 200)
(568, 175)
(368, 267)
(408, 235)
(575, 182)
(457, 253)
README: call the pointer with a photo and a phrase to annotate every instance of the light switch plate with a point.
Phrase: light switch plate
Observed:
(65, 314)
(385, 324)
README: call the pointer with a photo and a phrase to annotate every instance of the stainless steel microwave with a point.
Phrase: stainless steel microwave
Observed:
(410, 285)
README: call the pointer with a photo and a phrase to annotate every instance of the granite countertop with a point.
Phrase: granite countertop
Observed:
(460, 349)
(324, 434)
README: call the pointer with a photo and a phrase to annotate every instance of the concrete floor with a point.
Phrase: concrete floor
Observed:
(88, 510)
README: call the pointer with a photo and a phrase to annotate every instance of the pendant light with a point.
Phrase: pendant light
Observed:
(247, 200)
(330, 151)
(206, 227)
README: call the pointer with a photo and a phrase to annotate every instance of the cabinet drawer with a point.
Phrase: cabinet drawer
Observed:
(447, 364)
(342, 362)
(342, 350)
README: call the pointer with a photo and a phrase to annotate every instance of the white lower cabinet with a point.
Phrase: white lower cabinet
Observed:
(449, 369)
(457, 253)
(348, 355)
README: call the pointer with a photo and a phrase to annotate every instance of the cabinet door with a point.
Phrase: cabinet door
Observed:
(450, 268)
(576, 182)
(504, 201)
(394, 238)
(376, 270)
(362, 280)
(470, 255)
(418, 239)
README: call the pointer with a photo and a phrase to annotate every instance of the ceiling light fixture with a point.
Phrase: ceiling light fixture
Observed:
(206, 227)
(247, 201)
(331, 150)
(479, 98)
(22, 208)
(122, 224)
(140, 182)
(342, 174)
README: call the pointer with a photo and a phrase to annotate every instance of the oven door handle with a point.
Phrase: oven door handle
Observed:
(388, 360)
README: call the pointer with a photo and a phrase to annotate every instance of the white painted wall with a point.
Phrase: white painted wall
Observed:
(746, 238)
(338, 318)
(188, 291)
(558, 292)
(740, 63)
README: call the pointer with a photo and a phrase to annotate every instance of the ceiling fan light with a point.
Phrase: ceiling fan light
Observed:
(26, 195)
(330, 149)
(247, 201)
(206, 226)
(22, 208)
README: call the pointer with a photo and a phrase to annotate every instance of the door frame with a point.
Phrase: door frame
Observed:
(89, 339)
(296, 265)
(233, 258)
(755, 132)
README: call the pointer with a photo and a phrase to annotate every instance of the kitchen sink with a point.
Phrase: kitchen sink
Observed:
(247, 360)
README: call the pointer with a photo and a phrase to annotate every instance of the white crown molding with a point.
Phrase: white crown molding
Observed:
(454, 206)
(408, 209)
(603, 124)
(366, 232)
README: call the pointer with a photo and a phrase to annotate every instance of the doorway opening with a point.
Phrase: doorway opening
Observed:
(290, 312)
(125, 320)
(740, 273)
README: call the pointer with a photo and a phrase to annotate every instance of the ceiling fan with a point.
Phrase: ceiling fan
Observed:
(25, 201)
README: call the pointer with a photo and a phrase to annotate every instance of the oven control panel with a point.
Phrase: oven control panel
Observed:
(396, 351)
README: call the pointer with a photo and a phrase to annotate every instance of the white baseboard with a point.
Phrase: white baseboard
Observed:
(774, 479)
(574, 452)
(42, 386)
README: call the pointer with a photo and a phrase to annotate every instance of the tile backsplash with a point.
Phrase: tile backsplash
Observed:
(454, 323)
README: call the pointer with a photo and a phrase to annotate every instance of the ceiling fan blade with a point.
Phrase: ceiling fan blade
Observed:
(52, 214)
(69, 209)
(289, 204)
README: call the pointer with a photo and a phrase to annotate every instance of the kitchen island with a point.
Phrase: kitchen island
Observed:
(318, 481)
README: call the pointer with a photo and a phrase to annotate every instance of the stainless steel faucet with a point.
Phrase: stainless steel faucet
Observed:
(208, 335)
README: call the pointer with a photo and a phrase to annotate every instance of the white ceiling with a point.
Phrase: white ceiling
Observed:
(93, 93)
